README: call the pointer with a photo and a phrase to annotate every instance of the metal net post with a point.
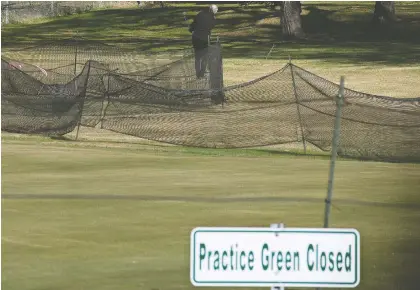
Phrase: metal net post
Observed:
(297, 105)
(83, 96)
(216, 73)
(336, 137)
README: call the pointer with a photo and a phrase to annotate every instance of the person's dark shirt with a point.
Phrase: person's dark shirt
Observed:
(202, 24)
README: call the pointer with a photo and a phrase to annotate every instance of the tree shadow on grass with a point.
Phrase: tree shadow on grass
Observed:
(61, 138)
(405, 253)
(153, 23)
(322, 24)
(352, 40)
(342, 157)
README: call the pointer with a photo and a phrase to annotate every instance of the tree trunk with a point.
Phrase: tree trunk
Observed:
(290, 19)
(384, 12)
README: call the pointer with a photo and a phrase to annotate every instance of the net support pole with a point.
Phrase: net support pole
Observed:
(297, 105)
(75, 59)
(335, 142)
(75, 67)
(106, 97)
(83, 101)
(216, 84)
(75, 83)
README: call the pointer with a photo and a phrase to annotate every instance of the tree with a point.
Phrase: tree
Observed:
(384, 12)
(290, 19)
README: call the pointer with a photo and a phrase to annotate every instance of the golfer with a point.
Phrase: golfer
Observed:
(201, 28)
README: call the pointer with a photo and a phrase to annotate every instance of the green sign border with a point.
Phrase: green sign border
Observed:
(280, 231)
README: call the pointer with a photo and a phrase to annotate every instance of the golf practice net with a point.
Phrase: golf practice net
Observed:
(51, 90)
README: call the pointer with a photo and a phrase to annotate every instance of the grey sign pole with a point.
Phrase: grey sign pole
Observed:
(279, 226)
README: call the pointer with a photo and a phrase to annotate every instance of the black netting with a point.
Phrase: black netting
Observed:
(161, 99)
(372, 127)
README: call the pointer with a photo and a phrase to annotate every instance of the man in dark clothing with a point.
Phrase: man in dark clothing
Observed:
(201, 28)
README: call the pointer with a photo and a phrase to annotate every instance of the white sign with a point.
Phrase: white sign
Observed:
(282, 257)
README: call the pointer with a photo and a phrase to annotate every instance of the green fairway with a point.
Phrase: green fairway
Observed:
(91, 239)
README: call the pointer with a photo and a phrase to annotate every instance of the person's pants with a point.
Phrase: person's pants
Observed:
(201, 57)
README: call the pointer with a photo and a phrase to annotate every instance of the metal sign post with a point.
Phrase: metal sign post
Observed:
(278, 226)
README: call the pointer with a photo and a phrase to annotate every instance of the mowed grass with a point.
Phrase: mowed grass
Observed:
(142, 242)
(375, 79)
(91, 239)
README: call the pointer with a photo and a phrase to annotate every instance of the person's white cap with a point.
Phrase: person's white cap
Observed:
(213, 8)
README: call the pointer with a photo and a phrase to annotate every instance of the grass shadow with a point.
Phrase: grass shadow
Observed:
(338, 32)
(61, 138)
